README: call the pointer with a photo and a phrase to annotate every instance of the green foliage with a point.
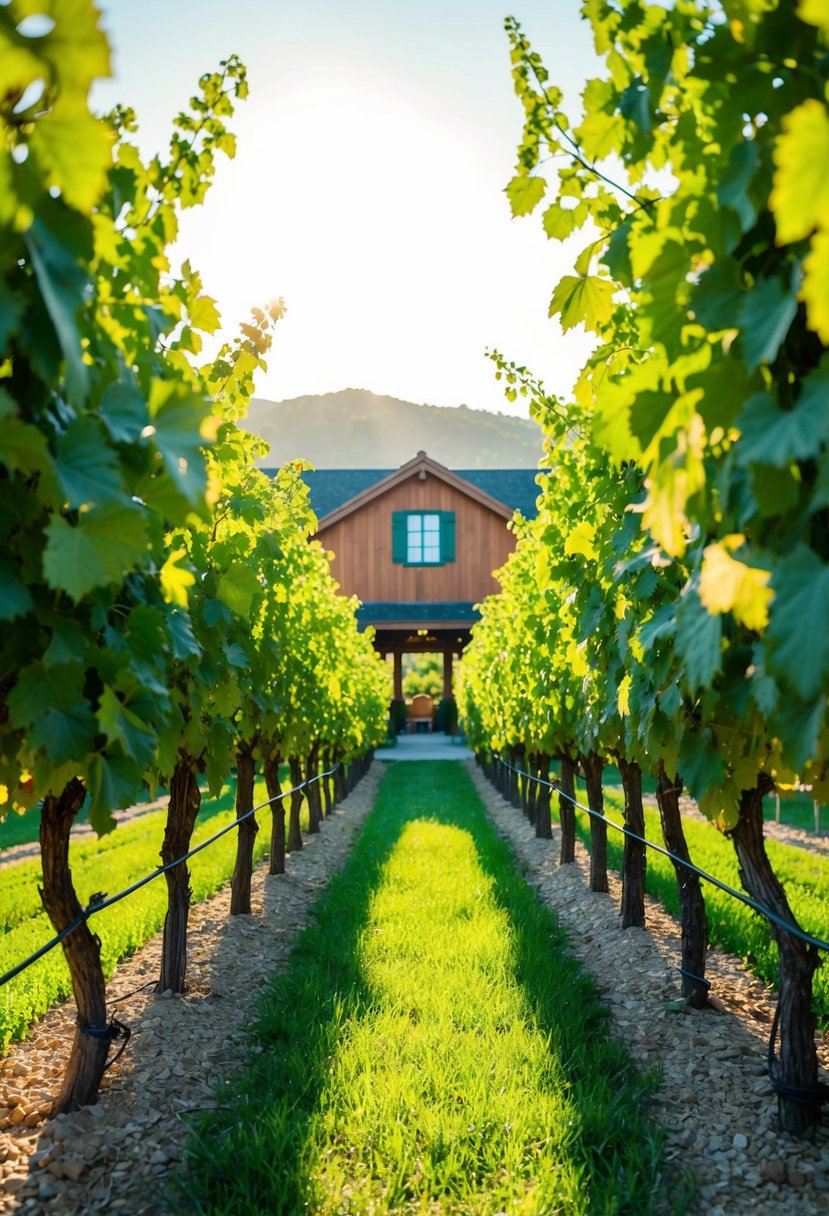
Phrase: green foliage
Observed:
(422, 673)
(103, 418)
(141, 545)
(665, 605)
(433, 1047)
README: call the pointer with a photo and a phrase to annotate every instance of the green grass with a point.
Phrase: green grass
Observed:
(733, 926)
(434, 1047)
(24, 828)
(797, 811)
(109, 864)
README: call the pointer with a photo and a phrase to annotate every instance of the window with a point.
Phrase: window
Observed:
(423, 538)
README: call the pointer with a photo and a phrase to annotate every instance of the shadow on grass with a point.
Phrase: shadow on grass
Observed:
(256, 1154)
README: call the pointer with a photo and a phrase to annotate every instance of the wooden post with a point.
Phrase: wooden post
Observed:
(447, 674)
(398, 675)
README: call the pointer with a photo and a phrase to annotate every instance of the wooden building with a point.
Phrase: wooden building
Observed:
(418, 546)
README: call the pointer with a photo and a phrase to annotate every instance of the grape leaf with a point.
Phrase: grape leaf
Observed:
(124, 411)
(65, 734)
(815, 287)
(87, 469)
(58, 261)
(797, 635)
(698, 641)
(236, 588)
(799, 198)
(113, 783)
(525, 193)
(15, 599)
(104, 545)
(73, 149)
(177, 414)
(39, 689)
(67, 642)
(121, 725)
(765, 317)
(176, 580)
(183, 639)
(586, 299)
(24, 447)
(729, 585)
(774, 436)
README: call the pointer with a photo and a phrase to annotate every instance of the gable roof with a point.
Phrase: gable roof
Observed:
(337, 492)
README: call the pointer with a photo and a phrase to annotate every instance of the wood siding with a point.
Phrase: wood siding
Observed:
(361, 543)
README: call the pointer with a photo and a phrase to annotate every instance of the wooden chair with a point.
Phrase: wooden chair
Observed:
(421, 711)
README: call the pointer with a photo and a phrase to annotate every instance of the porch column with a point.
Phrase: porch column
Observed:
(447, 674)
(398, 675)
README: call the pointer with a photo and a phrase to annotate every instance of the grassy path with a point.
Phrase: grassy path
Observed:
(434, 1048)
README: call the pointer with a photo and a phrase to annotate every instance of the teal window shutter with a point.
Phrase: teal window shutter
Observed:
(447, 537)
(398, 536)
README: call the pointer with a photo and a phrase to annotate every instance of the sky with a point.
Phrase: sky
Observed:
(367, 189)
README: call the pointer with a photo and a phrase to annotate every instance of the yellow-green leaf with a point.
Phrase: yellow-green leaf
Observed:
(814, 290)
(175, 581)
(799, 198)
(727, 585)
(204, 315)
(582, 540)
(525, 193)
(74, 150)
(601, 134)
(587, 300)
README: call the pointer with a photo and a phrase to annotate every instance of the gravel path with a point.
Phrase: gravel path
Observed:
(118, 1156)
(715, 1099)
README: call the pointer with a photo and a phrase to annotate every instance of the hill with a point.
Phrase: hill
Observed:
(358, 429)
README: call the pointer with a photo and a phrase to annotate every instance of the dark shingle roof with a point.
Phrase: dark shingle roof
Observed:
(380, 611)
(331, 488)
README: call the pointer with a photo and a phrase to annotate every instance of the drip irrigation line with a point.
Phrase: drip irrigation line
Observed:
(787, 926)
(803, 1095)
(99, 905)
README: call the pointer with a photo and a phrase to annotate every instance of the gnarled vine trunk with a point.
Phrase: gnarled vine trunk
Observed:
(633, 857)
(82, 950)
(593, 767)
(312, 793)
(325, 786)
(515, 784)
(692, 902)
(246, 837)
(566, 810)
(340, 791)
(528, 789)
(543, 822)
(270, 769)
(796, 1064)
(294, 832)
(182, 812)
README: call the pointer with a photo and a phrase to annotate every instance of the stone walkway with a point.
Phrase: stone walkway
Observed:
(431, 746)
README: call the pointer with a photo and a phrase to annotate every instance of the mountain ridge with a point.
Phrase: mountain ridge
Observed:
(356, 428)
